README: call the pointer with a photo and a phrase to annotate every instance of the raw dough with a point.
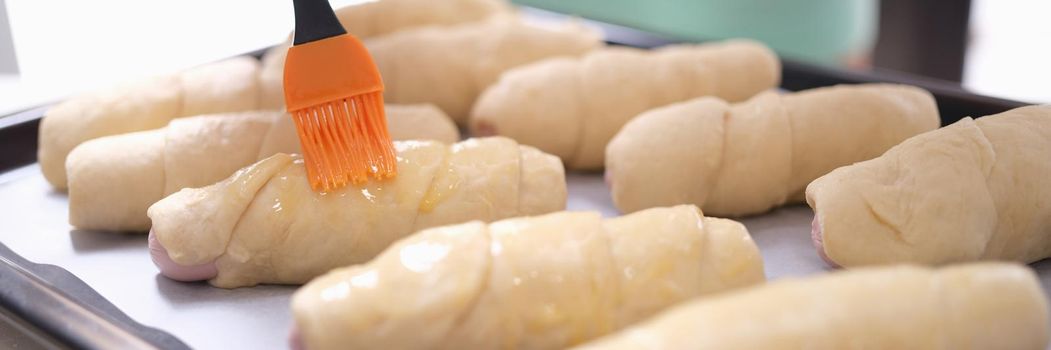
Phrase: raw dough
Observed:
(376, 18)
(975, 190)
(265, 225)
(747, 158)
(543, 282)
(230, 86)
(978, 306)
(572, 107)
(450, 66)
(226, 86)
(112, 180)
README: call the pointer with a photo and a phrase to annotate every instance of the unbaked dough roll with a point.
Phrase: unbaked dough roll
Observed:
(450, 66)
(977, 306)
(112, 180)
(377, 18)
(265, 225)
(746, 158)
(230, 86)
(226, 86)
(572, 107)
(975, 190)
(543, 282)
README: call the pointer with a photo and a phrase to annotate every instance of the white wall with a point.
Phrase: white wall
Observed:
(1010, 51)
(63, 46)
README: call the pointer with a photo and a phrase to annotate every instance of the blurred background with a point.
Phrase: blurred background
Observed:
(51, 48)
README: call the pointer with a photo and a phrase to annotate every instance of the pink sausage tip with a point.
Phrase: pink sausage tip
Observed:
(173, 270)
(819, 244)
(482, 129)
(295, 339)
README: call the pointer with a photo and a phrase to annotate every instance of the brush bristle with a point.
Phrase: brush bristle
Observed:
(346, 141)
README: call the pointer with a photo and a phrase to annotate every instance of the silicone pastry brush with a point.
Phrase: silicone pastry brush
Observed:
(334, 92)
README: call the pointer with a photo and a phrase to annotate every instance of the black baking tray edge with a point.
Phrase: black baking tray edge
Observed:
(41, 295)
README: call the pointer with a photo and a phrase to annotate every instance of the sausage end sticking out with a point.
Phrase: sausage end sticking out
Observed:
(815, 236)
(483, 129)
(177, 272)
(295, 339)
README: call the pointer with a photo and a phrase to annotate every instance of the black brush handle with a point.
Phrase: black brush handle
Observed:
(315, 20)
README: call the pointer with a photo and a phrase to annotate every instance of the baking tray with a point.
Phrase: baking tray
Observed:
(85, 289)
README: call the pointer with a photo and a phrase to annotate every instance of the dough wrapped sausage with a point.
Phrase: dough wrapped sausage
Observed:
(572, 107)
(746, 158)
(230, 86)
(978, 306)
(974, 190)
(112, 180)
(543, 282)
(450, 66)
(378, 18)
(265, 225)
(226, 86)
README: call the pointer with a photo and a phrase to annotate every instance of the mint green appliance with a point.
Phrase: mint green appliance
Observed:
(820, 31)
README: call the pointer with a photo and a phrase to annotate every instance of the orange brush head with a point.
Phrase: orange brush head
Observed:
(335, 95)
